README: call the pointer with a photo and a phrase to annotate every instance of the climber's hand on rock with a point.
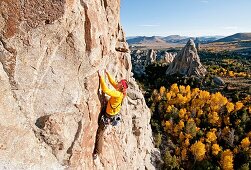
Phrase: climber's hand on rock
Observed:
(100, 73)
(106, 72)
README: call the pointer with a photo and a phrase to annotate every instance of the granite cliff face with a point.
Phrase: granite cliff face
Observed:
(50, 52)
(187, 62)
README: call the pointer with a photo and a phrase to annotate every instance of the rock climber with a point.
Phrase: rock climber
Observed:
(111, 115)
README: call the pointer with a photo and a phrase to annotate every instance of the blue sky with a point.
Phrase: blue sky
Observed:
(185, 17)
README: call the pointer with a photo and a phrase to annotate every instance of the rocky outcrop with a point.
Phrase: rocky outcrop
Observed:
(151, 56)
(168, 57)
(218, 81)
(187, 62)
(143, 58)
(50, 52)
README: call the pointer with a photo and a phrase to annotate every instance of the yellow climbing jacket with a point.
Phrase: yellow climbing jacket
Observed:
(115, 101)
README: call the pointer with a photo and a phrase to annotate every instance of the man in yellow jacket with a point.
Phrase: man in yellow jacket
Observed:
(112, 109)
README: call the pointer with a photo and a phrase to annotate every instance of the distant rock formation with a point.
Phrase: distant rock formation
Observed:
(187, 62)
(168, 57)
(151, 57)
(219, 81)
(143, 58)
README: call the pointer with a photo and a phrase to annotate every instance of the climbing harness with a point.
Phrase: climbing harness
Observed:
(110, 120)
(116, 106)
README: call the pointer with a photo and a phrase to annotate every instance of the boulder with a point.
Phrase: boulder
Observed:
(219, 81)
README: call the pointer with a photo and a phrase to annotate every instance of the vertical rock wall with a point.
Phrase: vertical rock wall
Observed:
(50, 52)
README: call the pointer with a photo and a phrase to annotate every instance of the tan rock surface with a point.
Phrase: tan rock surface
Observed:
(50, 52)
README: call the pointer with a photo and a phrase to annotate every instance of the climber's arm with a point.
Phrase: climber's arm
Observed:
(108, 91)
(111, 80)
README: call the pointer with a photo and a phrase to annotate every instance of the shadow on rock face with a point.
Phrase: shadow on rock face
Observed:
(40, 123)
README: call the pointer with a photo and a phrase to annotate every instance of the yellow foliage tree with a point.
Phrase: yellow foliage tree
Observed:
(238, 105)
(168, 125)
(182, 113)
(186, 143)
(217, 101)
(199, 113)
(231, 73)
(182, 89)
(188, 89)
(213, 118)
(181, 136)
(181, 124)
(169, 108)
(230, 107)
(168, 96)
(211, 137)
(227, 160)
(174, 88)
(162, 90)
(198, 149)
(184, 154)
(245, 143)
(181, 99)
(216, 149)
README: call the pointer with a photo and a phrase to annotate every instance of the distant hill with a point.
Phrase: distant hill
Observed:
(143, 40)
(236, 37)
(208, 39)
(175, 38)
(131, 37)
(172, 39)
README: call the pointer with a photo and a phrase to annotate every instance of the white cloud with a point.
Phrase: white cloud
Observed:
(204, 1)
(149, 25)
